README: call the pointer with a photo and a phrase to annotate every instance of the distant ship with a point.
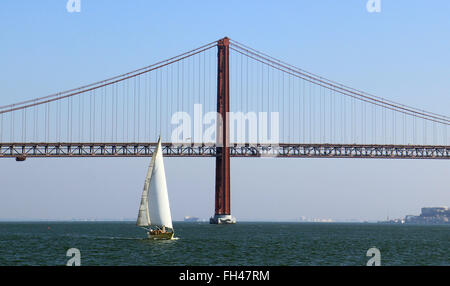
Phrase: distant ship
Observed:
(191, 219)
(154, 211)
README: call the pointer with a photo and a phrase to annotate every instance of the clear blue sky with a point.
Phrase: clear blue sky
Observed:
(401, 53)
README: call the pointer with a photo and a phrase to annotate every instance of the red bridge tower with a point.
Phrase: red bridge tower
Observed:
(222, 213)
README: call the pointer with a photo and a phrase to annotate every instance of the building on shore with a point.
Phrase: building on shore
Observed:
(428, 215)
(433, 215)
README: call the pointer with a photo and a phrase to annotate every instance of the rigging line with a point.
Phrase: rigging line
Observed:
(313, 115)
(209, 45)
(123, 112)
(291, 121)
(100, 86)
(298, 109)
(350, 95)
(194, 88)
(385, 104)
(344, 118)
(244, 47)
(128, 109)
(101, 96)
(330, 85)
(145, 91)
(188, 74)
(23, 119)
(182, 89)
(90, 116)
(269, 107)
(171, 102)
(331, 115)
(160, 100)
(304, 110)
(139, 108)
(310, 112)
(284, 114)
(116, 110)
(79, 119)
(363, 122)
(335, 89)
(82, 118)
(204, 106)
(149, 105)
(71, 116)
(199, 79)
(34, 123)
(242, 95)
(208, 88)
(45, 122)
(112, 112)
(321, 115)
(178, 91)
(263, 89)
(272, 107)
(204, 84)
(247, 95)
(167, 100)
(156, 104)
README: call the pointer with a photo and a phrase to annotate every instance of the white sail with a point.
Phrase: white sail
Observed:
(154, 209)
(158, 197)
(143, 215)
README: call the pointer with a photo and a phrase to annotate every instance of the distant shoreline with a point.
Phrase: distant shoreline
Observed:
(205, 222)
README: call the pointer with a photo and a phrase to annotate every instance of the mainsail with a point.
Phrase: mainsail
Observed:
(154, 209)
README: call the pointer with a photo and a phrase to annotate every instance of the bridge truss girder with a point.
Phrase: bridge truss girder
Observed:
(32, 150)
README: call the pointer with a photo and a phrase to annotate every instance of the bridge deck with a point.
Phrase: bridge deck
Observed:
(29, 150)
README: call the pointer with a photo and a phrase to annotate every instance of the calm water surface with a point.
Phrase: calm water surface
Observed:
(122, 243)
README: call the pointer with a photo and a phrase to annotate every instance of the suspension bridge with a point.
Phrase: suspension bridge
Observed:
(220, 82)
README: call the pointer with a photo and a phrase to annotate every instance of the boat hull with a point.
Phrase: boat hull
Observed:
(160, 236)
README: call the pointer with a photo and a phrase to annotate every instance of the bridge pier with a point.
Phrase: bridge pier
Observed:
(222, 214)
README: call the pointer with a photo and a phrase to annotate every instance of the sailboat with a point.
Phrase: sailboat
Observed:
(154, 211)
